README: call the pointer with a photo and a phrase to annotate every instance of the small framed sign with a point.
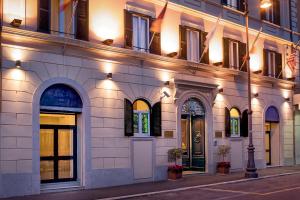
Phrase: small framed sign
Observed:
(218, 134)
(168, 134)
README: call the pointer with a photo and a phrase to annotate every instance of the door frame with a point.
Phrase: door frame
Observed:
(270, 143)
(56, 157)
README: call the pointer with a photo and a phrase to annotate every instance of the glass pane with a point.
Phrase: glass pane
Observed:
(57, 119)
(268, 157)
(65, 169)
(234, 127)
(140, 105)
(136, 122)
(46, 142)
(145, 122)
(47, 170)
(268, 127)
(135, 37)
(65, 142)
(184, 135)
(144, 34)
(267, 142)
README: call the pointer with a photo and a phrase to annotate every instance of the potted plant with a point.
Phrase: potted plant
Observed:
(174, 171)
(223, 167)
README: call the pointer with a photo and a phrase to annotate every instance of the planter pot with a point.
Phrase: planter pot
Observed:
(173, 175)
(223, 167)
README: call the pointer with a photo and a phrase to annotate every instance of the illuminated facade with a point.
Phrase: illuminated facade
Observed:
(87, 103)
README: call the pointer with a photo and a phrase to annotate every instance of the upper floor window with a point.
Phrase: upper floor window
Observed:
(72, 21)
(272, 14)
(140, 33)
(193, 50)
(192, 44)
(272, 64)
(234, 52)
(236, 4)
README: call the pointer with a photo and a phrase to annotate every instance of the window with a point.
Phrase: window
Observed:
(141, 118)
(271, 64)
(193, 45)
(140, 33)
(236, 4)
(66, 21)
(272, 14)
(232, 3)
(234, 123)
(234, 55)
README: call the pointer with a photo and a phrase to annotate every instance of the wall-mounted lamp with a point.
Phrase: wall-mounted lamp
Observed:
(218, 63)
(167, 83)
(257, 71)
(16, 23)
(165, 94)
(108, 42)
(109, 76)
(221, 90)
(287, 99)
(18, 64)
(172, 55)
(255, 95)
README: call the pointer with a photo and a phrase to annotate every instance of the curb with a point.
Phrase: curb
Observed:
(198, 186)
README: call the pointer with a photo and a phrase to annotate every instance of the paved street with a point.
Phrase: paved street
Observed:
(285, 187)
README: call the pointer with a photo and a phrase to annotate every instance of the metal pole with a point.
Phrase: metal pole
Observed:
(251, 169)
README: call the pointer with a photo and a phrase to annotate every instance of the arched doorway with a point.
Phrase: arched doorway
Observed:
(193, 135)
(272, 137)
(59, 107)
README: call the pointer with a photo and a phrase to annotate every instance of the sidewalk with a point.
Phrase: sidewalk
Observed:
(186, 181)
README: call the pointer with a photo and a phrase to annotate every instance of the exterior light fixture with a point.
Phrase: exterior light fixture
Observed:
(16, 23)
(287, 99)
(255, 95)
(218, 63)
(18, 64)
(221, 90)
(108, 42)
(172, 55)
(165, 94)
(265, 4)
(109, 76)
(167, 83)
(258, 71)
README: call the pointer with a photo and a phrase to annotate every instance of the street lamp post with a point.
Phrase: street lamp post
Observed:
(251, 169)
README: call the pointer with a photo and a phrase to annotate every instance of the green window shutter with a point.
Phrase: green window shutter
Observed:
(227, 122)
(242, 54)
(128, 118)
(44, 16)
(278, 67)
(226, 52)
(155, 121)
(82, 23)
(155, 47)
(205, 58)
(266, 63)
(244, 124)
(183, 44)
(128, 29)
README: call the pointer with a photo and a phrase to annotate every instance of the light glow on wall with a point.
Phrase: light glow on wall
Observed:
(105, 25)
(170, 42)
(108, 67)
(16, 54)
(215, 50)
(17, 74)
(13, 9)
(164, 76)
(254, 62)
(288, 72)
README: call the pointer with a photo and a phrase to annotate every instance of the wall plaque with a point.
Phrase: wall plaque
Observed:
(168, 134)
(218, 134)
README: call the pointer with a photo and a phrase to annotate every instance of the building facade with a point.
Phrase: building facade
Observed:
(86, 102)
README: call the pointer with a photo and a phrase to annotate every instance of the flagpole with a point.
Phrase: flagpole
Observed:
(151, 40)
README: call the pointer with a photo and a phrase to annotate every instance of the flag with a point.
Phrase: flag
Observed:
(156, 25)
(291, 60)
(66, 4)
(254, 42)
(210, 36)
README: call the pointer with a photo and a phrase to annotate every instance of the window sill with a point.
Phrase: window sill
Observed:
(271, 23)
(233, 9)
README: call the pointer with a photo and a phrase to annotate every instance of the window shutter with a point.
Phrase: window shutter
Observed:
(183, 45)
(128, 29)
(276, 6)
(155, 47)
(128, 118)
(155, 120)
(227, 122)
(242, 54)
(226, 52)
(224, 2)
(82, 26)
(205, 58)
(241, 5)
(44, 16)
(266, 63)
(278, 67)
(244, 124)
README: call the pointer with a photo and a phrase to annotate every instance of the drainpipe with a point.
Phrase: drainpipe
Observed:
(291, 24)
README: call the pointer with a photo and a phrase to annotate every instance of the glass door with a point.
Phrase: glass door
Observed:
(268, 143)
(58, 147)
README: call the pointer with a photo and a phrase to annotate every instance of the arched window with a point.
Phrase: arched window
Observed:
(234, 122)
(141, 118)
